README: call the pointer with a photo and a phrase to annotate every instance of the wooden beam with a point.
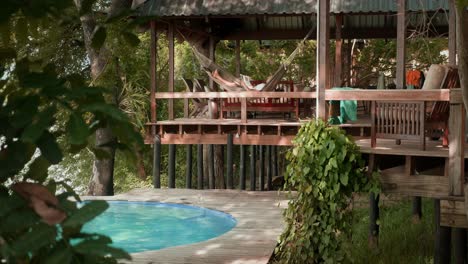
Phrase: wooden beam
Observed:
(323, 47)
(395, 180)
(453, 214)
(338, 51)
(170, 37)
(401, 45)
(244, 94)
(452, 39)
(153, 70)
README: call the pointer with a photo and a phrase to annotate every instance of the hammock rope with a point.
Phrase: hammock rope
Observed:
(228, 82)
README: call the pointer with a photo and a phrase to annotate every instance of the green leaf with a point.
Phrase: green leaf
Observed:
(41, 123)
(40, 235)
(60, 255)
(49, 148)
(78, 131)
(131, 39)
(38, 169)
(89, 211)
(98, 37)
(344, 179)
(98, 248)
(106, 109)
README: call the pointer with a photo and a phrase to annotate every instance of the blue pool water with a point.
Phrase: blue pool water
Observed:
(142, 226)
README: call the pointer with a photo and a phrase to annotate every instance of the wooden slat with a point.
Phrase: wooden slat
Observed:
(456, 171)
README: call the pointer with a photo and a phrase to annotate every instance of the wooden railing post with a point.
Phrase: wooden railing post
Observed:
(456, 169)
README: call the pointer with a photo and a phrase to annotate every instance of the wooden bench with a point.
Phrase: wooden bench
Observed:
(277, 105)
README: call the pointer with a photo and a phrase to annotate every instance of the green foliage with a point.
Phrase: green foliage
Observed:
(325, 168)
(48, 111)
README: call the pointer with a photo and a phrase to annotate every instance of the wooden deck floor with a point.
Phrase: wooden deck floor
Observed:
(252, 240)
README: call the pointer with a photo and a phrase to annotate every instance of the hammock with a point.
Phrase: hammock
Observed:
(230, 83)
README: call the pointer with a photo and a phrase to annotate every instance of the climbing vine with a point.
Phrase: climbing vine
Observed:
(325, 168)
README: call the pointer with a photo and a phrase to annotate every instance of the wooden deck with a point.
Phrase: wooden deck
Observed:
(252, 240)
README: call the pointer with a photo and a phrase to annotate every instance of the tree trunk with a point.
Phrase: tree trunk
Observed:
(103, 168)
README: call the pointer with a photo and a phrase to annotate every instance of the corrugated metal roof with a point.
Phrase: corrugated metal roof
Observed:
(164, 8)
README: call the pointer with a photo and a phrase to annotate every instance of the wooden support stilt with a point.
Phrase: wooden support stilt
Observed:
(188, 172)
(442, 240)
(416, 210)
(157, 162)
(275, 161)
(269, 168)
(253, 168)
(459, 245)
(374, 212)
(200, 166)
(211, 176)
(172, 166)
(262, 168)
(338, 51)
(170, 38)
(242, 168)
(229, 180)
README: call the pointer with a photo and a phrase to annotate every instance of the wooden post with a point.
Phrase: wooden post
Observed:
(157, 162)
(416, 210)
(211, 179)
(212, 57)
(188, 173)
(238, 58)
(268, 168)
(456, 169)
(262, 169)
(443, 238)
(349, 63)
(243, 110)
(323, 38)
(452, 39)
(338, 50)
(170, 37)
(253, 168)
(153, 70)
(172, 162)
(229, 162)
(401, 45)
(200, 166)
(374, 212)
(242, 168)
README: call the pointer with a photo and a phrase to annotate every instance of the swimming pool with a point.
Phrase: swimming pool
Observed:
(142, 226)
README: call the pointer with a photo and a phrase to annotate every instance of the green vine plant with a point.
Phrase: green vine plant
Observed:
(325, 168)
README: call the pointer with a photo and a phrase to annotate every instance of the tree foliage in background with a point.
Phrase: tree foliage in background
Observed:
(325, 168)
(48, 109)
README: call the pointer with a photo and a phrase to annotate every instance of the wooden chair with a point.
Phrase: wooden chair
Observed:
(412, 120)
